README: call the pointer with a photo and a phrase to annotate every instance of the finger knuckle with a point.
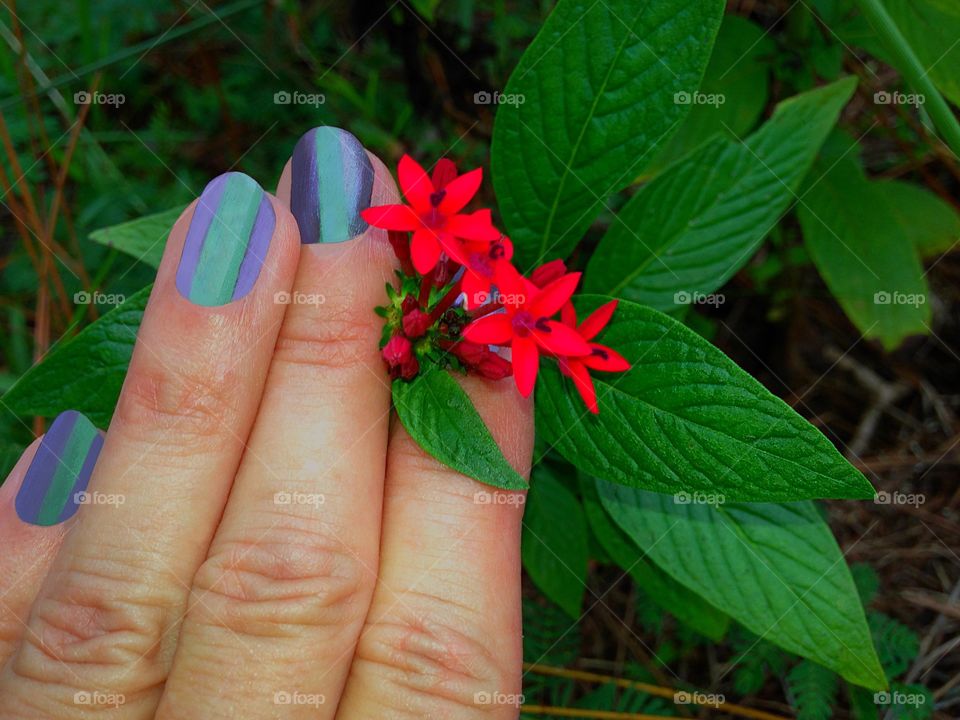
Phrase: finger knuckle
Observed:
(276, 585)
(192, 401)
(433, 659)
(105, 627)
(327, 338)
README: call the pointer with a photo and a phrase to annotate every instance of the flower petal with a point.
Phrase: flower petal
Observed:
(460, 191)
(476, 288)
(424, 251)
(598, 320)
(568, 316)
(526, 363)
(444, 172)
(493, 329)
(605, 359)
(452, 247)
(415, 184)
(560, 339)
(392, 217)
(554, 296)
(584, 384)
(473, 226)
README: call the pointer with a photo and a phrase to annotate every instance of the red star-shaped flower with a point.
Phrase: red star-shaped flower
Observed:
(433, 213)
(600, 358)
(488, 265)
(528, 329)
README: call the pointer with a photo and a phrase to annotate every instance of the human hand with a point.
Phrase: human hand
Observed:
(257, 539)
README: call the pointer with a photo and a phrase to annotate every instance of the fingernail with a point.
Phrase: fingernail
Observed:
(331, 183)
(227, 240)
(60, 470)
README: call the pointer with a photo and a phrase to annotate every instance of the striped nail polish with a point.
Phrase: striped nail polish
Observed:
(227, 240)
(60, 470)
(332, 182)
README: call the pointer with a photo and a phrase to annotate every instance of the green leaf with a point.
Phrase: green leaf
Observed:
(439, 415)
(598, 87)
(775, 568)
(867, 259)
(897, 645)
(143, 238)
(86, 372)
(554, 544)
(814, 690)
(685, 418)
(689, 230)
(931, 223)
(932, 28)
(738, 77)
(672, 597)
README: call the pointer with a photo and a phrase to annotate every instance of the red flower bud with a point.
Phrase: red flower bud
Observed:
(409, 304)
(548, 272)
(444, 271)
(415, 323)
(482, 360)
(410, 368)
(397, 351)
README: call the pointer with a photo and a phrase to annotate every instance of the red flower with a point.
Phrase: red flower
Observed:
(600, 358)
(487, 265)
(433, 214)
(482, 360)
(528, 329)
(398, 354)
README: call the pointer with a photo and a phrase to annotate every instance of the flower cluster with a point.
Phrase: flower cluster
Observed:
(461, 299)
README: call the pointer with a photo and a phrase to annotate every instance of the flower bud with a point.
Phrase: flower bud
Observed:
(397, 351)
(415, 323)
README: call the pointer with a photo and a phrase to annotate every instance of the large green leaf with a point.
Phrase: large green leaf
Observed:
(672, 597)
(143, 238)
(868, 259)
(685, 418)
(86, 372)
(932, 28)
(689, 230)
(439, 415)
(598, 86)
(931, 223)
(775, 568)
(737, 79)
(554, 545)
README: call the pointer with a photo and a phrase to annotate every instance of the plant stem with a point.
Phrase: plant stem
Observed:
(912, 69)
(445, 302)
(657, 690)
